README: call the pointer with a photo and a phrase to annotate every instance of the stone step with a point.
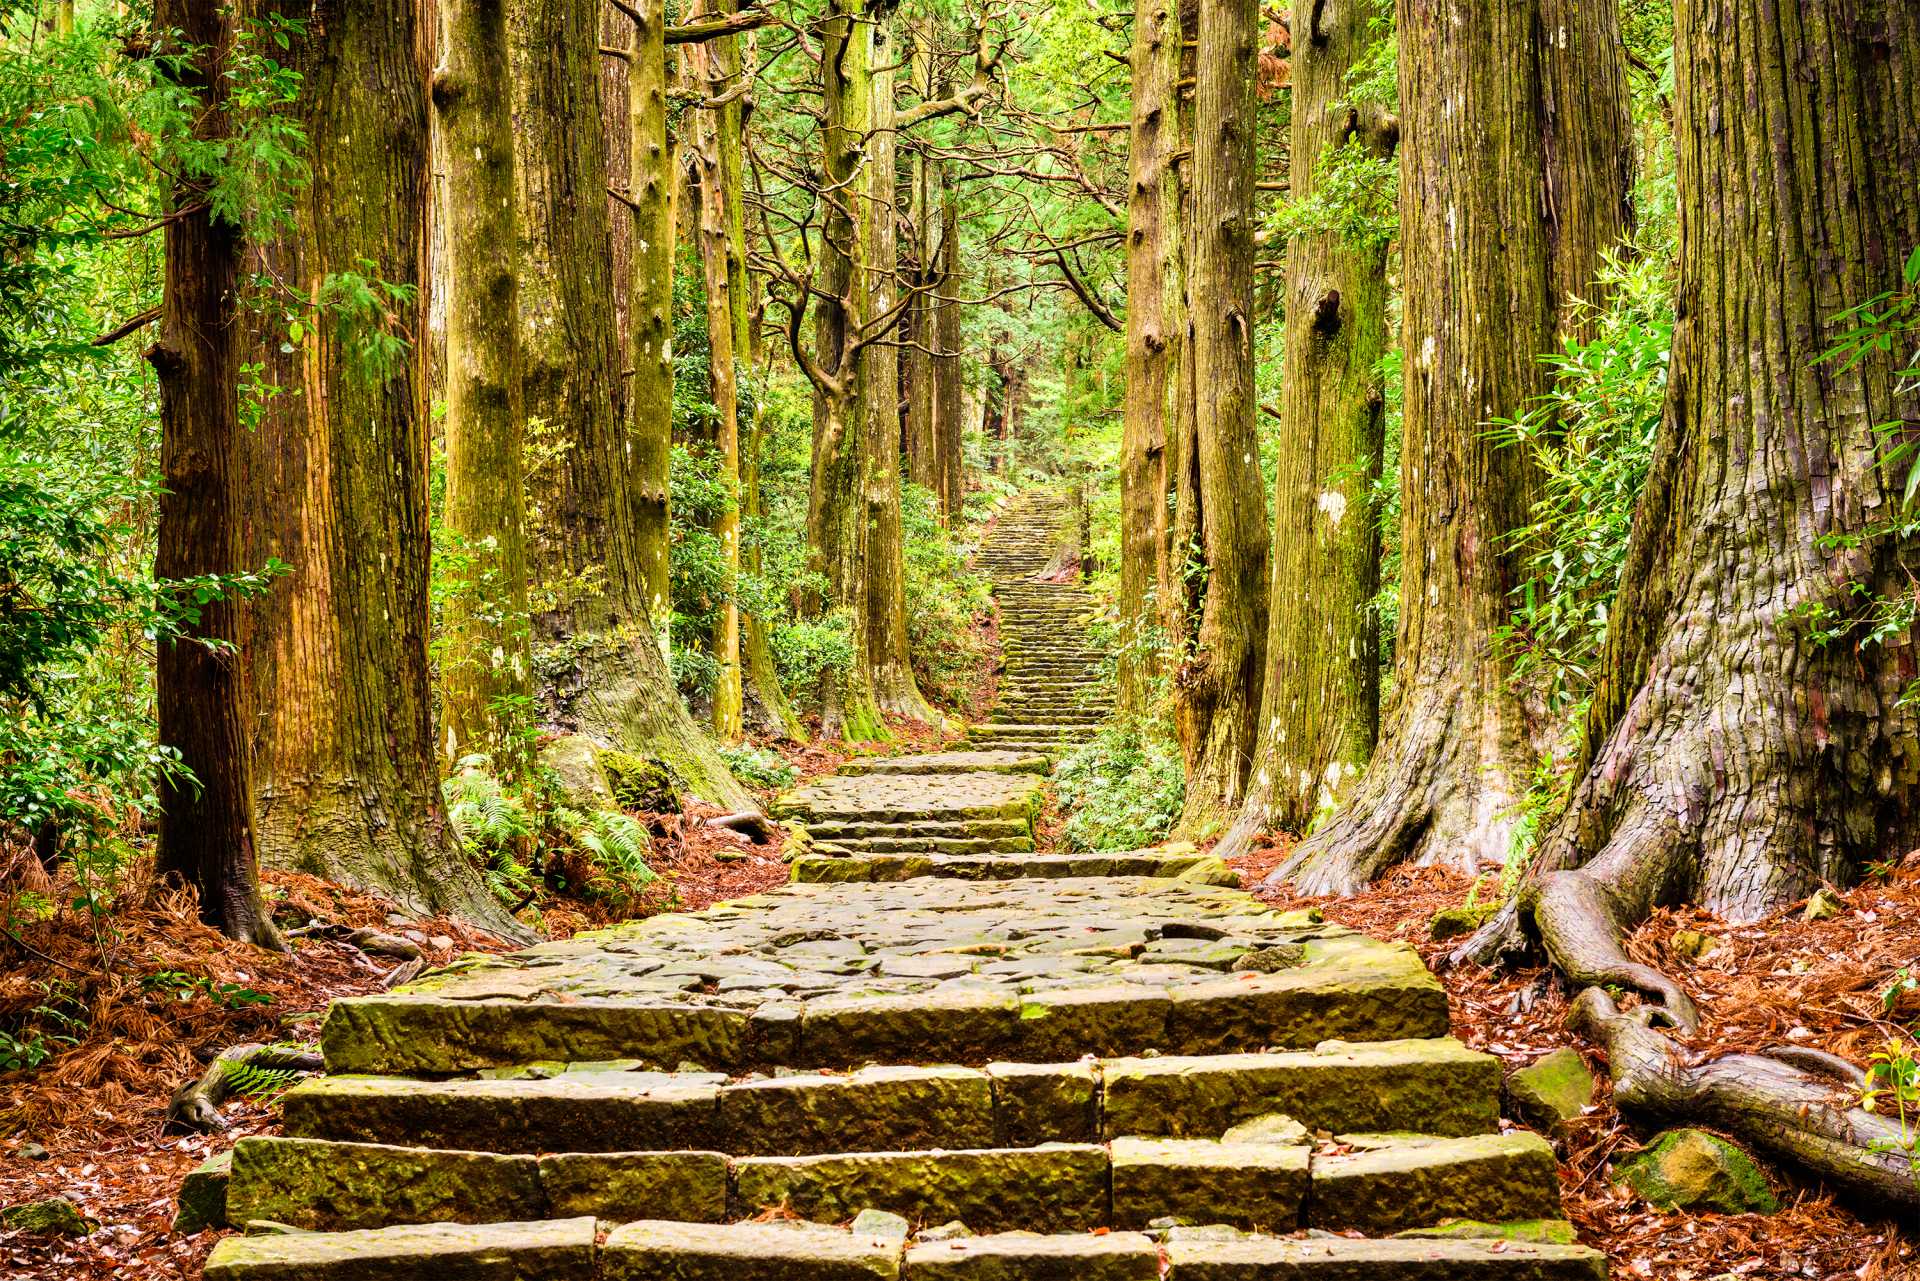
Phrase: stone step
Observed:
(949, 763)
(926, 845)
(654, 1250)
(926, 827)
(1393, 1185)
(825, 866)
(891, 798)
(1427, 1087)
(833, 975)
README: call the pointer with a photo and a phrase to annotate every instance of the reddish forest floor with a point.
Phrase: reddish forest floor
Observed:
(1780, 981)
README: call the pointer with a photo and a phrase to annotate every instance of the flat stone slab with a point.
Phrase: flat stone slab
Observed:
(1052, 1188)
(1270, 1259)
(950, 763)
(559, 1250)
(1391, 1184)
(920, 971)
(662, 1251)
(899, 798)
(846, 868)
(1435, 1086)
(1247, 1185)
(1023, 1256)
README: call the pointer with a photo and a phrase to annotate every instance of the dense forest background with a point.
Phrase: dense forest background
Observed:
(438, 441)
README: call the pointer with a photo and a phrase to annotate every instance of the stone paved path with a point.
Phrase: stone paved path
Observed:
(1109, 1067)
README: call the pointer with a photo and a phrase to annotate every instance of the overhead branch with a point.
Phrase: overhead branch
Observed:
(127, 326)
(966, 99)
(720, 27)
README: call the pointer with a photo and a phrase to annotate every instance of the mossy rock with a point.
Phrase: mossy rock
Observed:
(203, 1196)
(55, 1216)
(644, 783)
(1452, 922)
(1552, 1093)
(1694, 1170)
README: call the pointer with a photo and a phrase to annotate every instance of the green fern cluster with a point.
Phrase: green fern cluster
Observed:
(248, 1079)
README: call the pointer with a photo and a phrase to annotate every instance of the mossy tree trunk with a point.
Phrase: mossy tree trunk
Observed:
(652, 200)
(207, 838)
(837, 524)
(486, 664)
(949, 391)
(344, 751)
(1217, 689)
(894, 687)
(598, 569)
(1497, 206)
(718, 266)
(923, 459)
(1320, 703)
(1156, 341)
(1731, 759)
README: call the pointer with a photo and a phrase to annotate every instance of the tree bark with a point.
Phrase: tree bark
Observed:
(344, 754)
(894, 687)
(1156, 342)
(948, 387)
(1320, 705)
(207, 837)
(486, 665)
(599, 567)
(718, 267)
(1217, 690)
(1494, 211)
(921, 440)
(1731, 759)
(837, 525)
(653, 195)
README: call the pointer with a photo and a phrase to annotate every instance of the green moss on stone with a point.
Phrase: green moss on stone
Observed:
(1694, 1170)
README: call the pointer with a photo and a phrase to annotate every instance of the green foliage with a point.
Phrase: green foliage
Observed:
(1591, 437)
(250, 1080)
(1355, 195)
(525, 840)
(944, 596)
(177, 985)
(758, 767)
(1126, 787)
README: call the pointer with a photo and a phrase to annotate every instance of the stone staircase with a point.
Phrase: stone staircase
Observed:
(1106, 1067)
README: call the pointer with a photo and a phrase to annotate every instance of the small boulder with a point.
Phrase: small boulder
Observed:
(1274, 1127)
(1272, 958)
(203, 1196)
(55, 1216)
(1452, 922)
(1823, 906)
(1691, 945)
(643, 783)
(31, 1151)
(952, 1231)
(1694, 1170)
(1551, 1093)
(879, 1223)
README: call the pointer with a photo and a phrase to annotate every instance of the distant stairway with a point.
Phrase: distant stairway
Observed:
(1108, 1069)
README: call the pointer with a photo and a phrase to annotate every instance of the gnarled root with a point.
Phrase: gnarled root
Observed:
(1798, 1110)
(195, 1106)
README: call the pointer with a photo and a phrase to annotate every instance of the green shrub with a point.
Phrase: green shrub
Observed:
(1126, 788)
(758, 767)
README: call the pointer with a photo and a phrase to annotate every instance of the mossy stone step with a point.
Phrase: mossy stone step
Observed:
(826, 866)
(904, 798)
(558, 1250)
(913, 844)
(927, 970)
(1407, 1086)
(949, 763)
(319, 1185)
(650, 1250)
(969, 828)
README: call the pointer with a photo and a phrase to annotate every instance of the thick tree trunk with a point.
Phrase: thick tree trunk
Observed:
(837, 526)
(1731, 759)
(718, 265)
(1156, 342)
(1217, 690)
(486, 665)
(923, 458)
(948, 387)
(1494, 211)
(894, 687)
(1320, 706)
(653, 199)
(599, 568)
(344, 752)
(206, 822)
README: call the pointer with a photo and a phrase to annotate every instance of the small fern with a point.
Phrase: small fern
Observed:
(251, 1080)
(618, 845)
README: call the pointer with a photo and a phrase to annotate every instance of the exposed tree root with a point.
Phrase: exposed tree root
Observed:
(1798, 1106)
(195, 1106)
